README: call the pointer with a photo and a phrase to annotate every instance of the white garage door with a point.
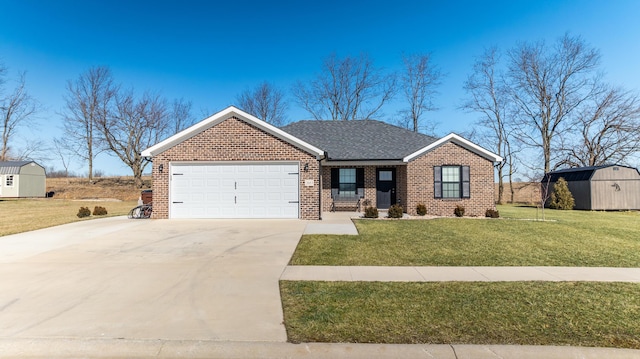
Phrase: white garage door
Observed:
(216, 190)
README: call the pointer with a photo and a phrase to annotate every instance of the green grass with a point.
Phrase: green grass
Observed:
(526, 313)
(22, 215)
(566, 238)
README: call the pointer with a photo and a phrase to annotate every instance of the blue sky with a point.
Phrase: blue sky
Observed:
(209, 51)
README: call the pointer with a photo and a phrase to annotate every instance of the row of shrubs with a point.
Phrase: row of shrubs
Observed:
(396, 211)
(97, 211)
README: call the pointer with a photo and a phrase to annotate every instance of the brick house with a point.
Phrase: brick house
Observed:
(233, 165)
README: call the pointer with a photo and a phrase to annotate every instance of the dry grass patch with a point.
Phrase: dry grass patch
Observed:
(121, 188)
(22, 215)
(117, 194)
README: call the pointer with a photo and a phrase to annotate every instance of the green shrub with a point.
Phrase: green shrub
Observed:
(561, 197)
(370, 212)
(459, 211)
(99, 211)
(395, 211)
(492, 213)
(421, 209)
(84, 212)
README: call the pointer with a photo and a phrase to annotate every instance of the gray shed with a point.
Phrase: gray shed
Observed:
(22, 179)
(607, 187)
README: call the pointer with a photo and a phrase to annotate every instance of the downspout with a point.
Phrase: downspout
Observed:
(320, 185)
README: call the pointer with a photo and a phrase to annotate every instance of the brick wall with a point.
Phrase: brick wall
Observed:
(235, 140)
(420, 182)
(369, 184)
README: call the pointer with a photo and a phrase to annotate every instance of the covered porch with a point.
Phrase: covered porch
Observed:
(350, 186)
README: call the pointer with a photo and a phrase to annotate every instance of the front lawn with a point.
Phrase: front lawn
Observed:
(567, 238)
(526, 313)
(22, 215)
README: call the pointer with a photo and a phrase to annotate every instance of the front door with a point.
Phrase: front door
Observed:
(385, 187)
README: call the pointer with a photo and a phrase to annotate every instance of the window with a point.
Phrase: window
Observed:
(9, 182)
(385, 175)
(451, 182)
(347, 182)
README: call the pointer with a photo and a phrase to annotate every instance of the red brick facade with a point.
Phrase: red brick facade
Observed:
(420, 182)
(415, 182)
(236, 140)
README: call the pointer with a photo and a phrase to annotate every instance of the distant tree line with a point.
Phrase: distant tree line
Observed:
(549, 100)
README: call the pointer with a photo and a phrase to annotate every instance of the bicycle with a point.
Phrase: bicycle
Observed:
(141, 212)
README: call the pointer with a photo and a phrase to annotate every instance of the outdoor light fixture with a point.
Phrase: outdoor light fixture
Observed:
(161, 167)
(306, 167)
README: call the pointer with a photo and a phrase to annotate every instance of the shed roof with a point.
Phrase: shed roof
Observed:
(12, 167)
(359, 139)
(576, 174)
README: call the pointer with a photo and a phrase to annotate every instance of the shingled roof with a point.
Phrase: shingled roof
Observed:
(12, 167)
(576, 173)
(359, 140)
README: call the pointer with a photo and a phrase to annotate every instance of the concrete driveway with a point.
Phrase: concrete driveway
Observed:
(147, 279)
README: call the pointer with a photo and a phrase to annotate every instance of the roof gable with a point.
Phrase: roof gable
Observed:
(578, 173)
(359, 140)
(13, 167)
(221, 116)
(454, 138)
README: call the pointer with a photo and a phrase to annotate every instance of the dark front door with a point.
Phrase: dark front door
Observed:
(385, 187)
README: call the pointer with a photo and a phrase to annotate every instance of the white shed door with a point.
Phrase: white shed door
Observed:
(213, 190)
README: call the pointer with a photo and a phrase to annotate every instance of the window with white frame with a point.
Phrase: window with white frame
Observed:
(9, 181)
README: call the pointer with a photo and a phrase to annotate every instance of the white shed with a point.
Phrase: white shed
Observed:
(22, 179)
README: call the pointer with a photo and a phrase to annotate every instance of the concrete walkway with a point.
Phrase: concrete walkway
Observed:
(164, 349)
(334, 223)
(464, 274)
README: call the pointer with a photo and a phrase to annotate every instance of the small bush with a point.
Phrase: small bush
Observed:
(459, 211)
(84, 212)
(561, 198)
(99, 211)
(421, 209)
(492, 213)
(370, 212)
(395, 211)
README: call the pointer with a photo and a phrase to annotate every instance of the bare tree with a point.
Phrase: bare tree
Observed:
(419, 82)
(133, 126)
(63, 151)
(265, 102)
(545, 194)
(547, 86)
(346, 89)
(87, 103)
(608, 131)
(488, 95)
(180, 115)
(17, 109)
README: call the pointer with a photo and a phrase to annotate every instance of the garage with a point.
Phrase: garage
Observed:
(234, 190)
(234, 165)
